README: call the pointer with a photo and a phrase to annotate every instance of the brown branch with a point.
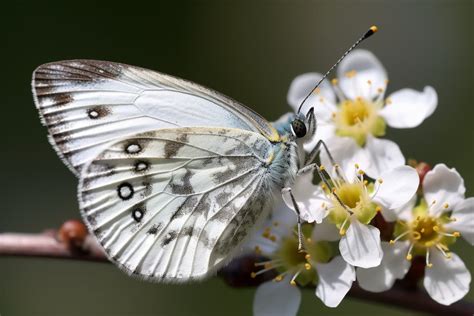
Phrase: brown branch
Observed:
(47, 245)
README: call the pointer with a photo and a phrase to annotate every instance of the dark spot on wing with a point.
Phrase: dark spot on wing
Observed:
(154, 229)
(61, 99)
(98, 112)
(169, 238)
(138, 212)
(141, 166)
(185, 208)
(125, 191)
(182, 185)
(187, 231)
(172, 147)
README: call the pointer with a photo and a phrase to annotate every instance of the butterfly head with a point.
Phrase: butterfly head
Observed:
(303, 127)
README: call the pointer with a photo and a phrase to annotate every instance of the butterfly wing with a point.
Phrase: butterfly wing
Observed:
(174, 204)
(86, 104)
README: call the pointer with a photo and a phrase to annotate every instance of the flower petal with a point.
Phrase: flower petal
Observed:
(405, 212)
(398, 187)
(443, 185)
(346, 154)
(309, 197)
(326, 231)
(383, 155)
(393, 266)
(409, 108)
(367, 67)
(276, 298)
(302, 85)
(447, 281)
(464, 215)
(335, 280)
(360, 246)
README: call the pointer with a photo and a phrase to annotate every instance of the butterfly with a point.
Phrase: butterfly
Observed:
(173, 176)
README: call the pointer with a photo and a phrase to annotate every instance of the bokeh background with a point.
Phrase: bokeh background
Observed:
(250, 50)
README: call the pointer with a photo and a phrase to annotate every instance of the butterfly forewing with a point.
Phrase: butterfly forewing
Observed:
(86, 104)
(175, 203)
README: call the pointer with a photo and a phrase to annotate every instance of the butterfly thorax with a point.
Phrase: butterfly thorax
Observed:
(284, 165)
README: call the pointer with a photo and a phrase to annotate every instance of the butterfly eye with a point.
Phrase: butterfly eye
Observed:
(298, 127)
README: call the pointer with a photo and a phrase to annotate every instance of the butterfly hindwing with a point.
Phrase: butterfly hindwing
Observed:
(176, 203)
(86, 104)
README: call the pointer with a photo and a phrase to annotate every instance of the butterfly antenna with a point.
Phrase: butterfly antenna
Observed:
(373, 29)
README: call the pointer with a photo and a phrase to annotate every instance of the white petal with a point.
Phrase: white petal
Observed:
(367, 67)
(335, 280)
(324, 131)
(326, 231)
(398, 187)
(408, 107)
(464, 215)
(443, 185)
(309, 197)
(448, 280)
(302, 85)
(346, 154)
(383, 155)
(276, 298)
(393, 266)
(360, 246)
(405, 212)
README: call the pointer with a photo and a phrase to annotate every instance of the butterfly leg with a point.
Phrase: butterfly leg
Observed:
(299, 223)
(310, 166)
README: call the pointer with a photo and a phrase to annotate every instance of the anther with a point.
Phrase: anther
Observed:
(446, 205)
(278, 278)
(409, 257)
(357, 166)
(334, 81)
(307, 266)
(321, 168)
(378, 209)
(456, 234)
(307, 257)
(253, 275)
(380, 180)
(369, 82)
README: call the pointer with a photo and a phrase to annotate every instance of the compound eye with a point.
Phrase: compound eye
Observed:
(299, 128)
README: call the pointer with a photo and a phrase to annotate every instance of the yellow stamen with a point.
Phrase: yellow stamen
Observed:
(334, 81)
(307, 266)
(253, 275)
(350, 74)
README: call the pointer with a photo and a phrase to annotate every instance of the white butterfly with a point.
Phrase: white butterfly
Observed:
(172, 176)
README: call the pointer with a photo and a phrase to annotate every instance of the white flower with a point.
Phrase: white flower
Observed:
(352, 202)
(316, 266)
(427, 229)
(353, 112)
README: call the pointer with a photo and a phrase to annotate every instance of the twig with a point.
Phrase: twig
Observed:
(46, 245)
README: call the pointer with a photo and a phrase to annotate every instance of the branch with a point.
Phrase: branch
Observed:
(47, 245)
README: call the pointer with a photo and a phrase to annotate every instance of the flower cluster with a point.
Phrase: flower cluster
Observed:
(423, 214)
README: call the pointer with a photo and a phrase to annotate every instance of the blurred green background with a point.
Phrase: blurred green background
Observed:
(250, 50)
